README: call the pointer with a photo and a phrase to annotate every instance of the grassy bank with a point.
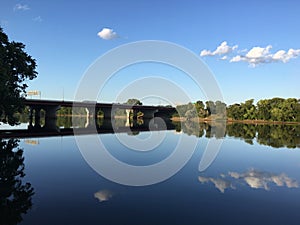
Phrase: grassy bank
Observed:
(229, 121)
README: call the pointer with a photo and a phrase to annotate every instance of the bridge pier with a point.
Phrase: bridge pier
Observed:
(107, 124)
(37, 117)
(108, 112)
(91, 117)
(50, 117)
(128, 121)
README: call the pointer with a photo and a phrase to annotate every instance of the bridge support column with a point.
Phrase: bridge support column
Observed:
(107, 125)
(128, 122)
(30, 117)
(91, 117)
(131, 116)
(37, 117)
(108, 112)
(50, 117)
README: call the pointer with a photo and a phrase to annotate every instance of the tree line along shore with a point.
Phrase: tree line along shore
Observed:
(275, 110)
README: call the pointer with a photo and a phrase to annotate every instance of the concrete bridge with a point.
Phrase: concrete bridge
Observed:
(92, 108)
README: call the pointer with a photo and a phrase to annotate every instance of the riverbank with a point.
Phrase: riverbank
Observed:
(230, 121)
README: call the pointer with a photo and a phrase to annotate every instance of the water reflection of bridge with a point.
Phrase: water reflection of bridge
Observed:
(107, 127)
(92, 108)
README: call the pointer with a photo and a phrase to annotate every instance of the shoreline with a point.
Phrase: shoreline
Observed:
(231, 121)
(208, 120)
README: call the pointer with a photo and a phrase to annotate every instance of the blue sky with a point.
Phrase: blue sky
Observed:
(253, 62)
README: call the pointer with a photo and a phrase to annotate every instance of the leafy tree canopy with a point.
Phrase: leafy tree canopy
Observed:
(133, 101)
(16, 67)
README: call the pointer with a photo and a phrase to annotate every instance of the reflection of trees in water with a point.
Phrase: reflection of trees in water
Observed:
(274, 135)
(79, 121)
(15, 196)
(189, 127)
(279, 135)
(120, 122)
(246, 132)
(216, 129)
(64, 121)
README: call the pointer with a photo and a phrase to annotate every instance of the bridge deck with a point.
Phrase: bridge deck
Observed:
(88, 104)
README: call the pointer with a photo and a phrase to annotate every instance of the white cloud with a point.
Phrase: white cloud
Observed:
(20, 7)
(107, 34)
(236, 58)
(103, 195)
(258, 52)
(255, 56)
(284, 56)
(222, 49)
(260, 55)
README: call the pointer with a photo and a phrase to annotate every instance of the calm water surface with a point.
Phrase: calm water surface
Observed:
(254, 179)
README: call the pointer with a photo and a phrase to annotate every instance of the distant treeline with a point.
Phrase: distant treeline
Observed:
(201, 110)
(275, 109)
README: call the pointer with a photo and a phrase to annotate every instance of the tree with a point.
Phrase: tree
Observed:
(220, 109)
(16, 67)
(263, 109)
(210, 107)
(133, 101)
(248, 110)
(200, 107)
(183, 109)
(235, 112)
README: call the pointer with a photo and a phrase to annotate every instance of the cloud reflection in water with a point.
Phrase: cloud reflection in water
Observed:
(220, 183)
(103, 195)
(254, 178)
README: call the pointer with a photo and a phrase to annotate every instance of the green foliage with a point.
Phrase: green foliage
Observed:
(211, 108)
(120, 112)
(200, 107)
(235, 112)
(220, 109)
(183, 109)
(64, 111)
(201, 110)
(190, 114)
(133, 101)
(275, 109)
(16, 67)
(139, 114)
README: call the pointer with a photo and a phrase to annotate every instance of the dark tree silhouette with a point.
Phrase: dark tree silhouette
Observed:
(16, 67)
(15, 196)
